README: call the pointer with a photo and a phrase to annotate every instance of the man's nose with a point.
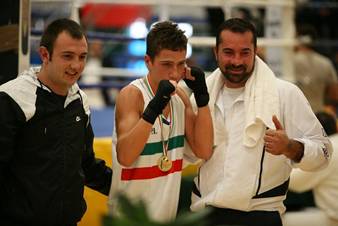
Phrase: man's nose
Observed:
(236, 60)
(175, 74)
(76, 64)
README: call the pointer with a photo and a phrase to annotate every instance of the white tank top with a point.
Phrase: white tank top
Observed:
(144, 180)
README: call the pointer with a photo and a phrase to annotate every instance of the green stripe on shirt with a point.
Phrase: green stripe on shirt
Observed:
(153, 148)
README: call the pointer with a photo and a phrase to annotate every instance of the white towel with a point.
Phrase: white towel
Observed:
(260, 98)
(261, 103)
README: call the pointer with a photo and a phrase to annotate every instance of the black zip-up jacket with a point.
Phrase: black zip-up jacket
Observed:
(46, 154)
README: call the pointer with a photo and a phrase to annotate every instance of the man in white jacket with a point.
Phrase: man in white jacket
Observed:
(263, 127)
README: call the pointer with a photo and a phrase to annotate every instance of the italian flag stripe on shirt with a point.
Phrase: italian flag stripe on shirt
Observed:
(149, 172)
(154, 148)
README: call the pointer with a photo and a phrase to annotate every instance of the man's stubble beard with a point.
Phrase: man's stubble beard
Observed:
(237, 78)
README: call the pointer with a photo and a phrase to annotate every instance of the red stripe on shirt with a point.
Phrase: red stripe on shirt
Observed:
(143, 173)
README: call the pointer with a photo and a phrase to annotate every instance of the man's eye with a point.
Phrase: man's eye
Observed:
(227, 52)
(67, 56)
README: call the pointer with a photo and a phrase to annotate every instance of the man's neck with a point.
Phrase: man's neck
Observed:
(43, 78)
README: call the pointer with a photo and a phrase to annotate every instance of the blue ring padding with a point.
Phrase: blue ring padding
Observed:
(102, 120)
(103, 85)
(98, 35)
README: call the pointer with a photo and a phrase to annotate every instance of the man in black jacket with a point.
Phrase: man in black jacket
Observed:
(46, 139)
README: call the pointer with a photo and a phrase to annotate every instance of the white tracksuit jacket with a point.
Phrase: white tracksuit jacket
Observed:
(239, 178)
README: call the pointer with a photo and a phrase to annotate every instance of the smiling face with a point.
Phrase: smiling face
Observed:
(64, 67)
(235, 57)
(166, 65)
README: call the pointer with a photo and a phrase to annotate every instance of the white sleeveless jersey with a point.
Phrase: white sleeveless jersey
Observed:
(144, 180)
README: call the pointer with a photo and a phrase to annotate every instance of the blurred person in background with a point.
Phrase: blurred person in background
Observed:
(46, 137)
(315, 73)
(153, 119)
(331, 100)
(323, 184)
(92, 74)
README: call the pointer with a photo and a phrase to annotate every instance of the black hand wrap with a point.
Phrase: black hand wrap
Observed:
(198, 86)
(159, 101)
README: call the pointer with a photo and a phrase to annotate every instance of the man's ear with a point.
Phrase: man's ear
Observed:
(44, 54)
(215, 52)
(147, 61)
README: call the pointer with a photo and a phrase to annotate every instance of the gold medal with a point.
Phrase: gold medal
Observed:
(164, 163)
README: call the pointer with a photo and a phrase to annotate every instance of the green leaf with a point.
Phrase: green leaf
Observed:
(135, 214)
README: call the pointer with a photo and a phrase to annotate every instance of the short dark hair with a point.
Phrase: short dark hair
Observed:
(56, 27)
(165, 35)
(237, 25)
(328, 122)
(306, 35)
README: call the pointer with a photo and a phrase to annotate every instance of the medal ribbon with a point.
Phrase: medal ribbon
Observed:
(161, 117)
